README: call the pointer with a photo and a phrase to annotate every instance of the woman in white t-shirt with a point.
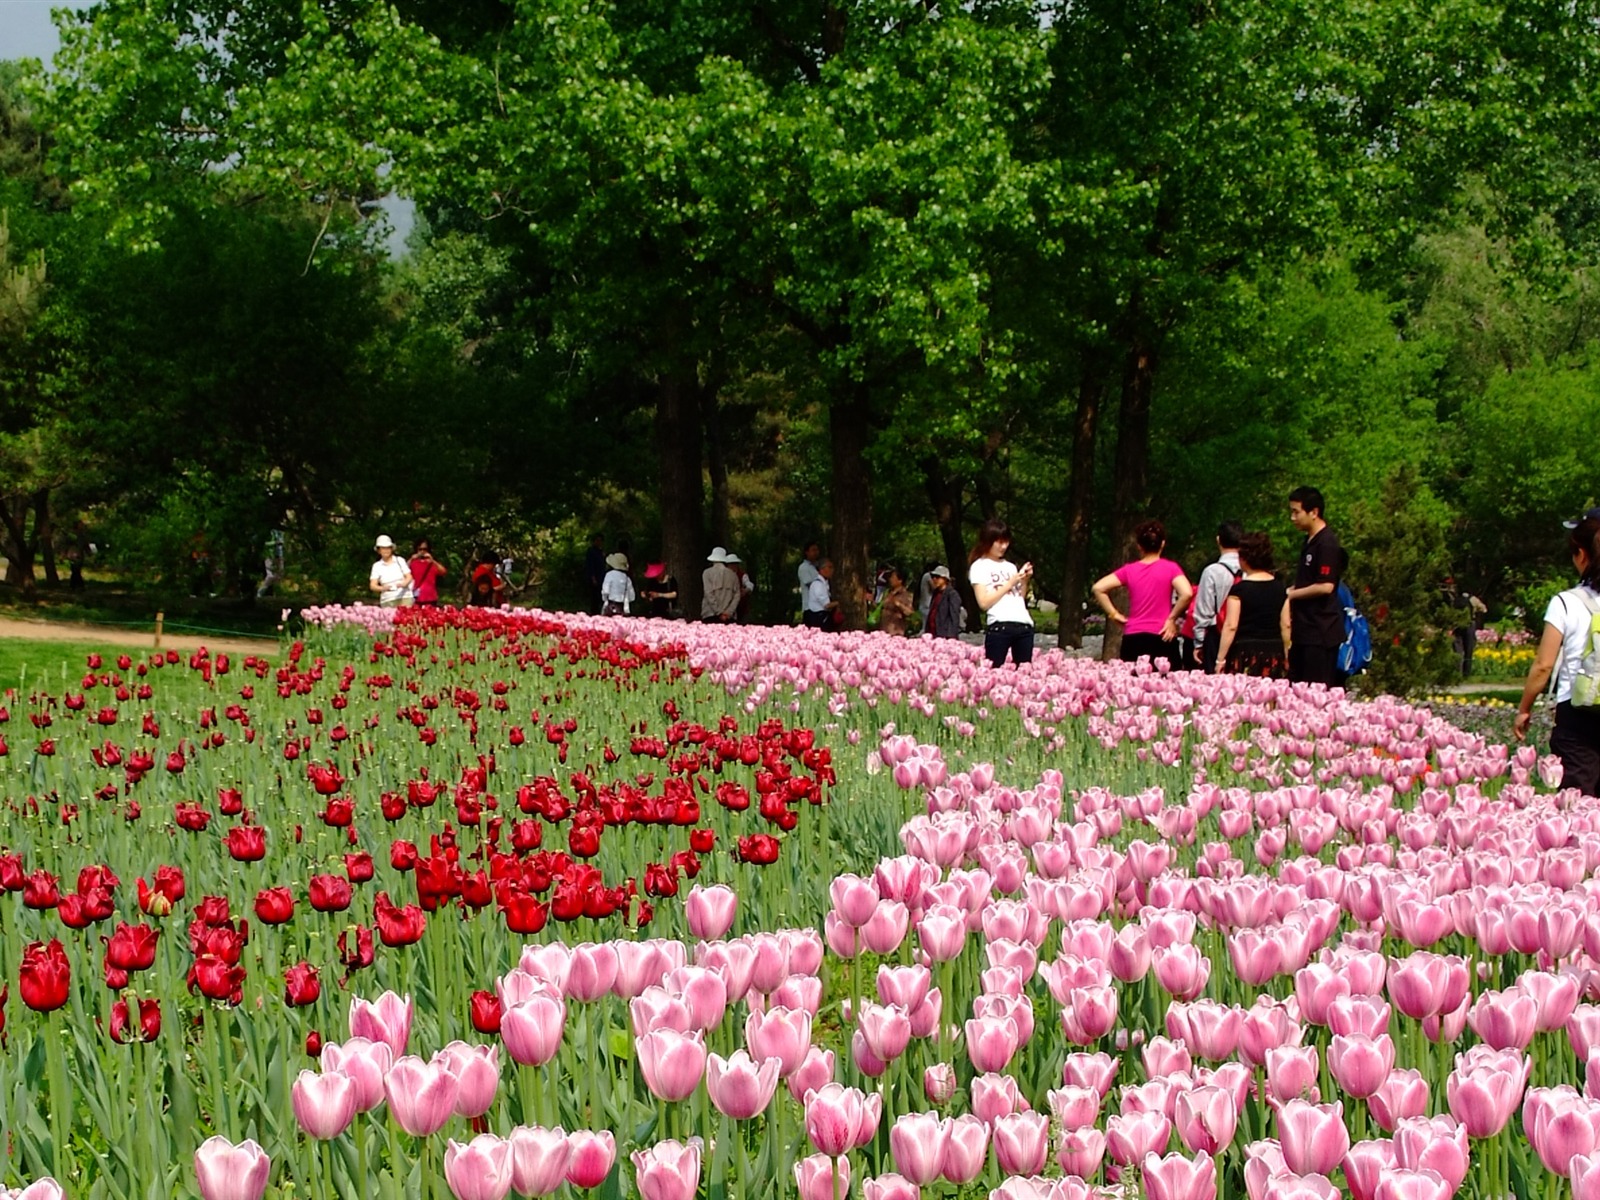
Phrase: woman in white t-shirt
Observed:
(616, 589)
(1002, 592)
(391, 577)
(1575, 740)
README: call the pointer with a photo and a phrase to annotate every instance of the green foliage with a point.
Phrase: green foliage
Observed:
(1399, 561)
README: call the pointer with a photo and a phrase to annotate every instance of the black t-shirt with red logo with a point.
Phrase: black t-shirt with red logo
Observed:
(1318, 620)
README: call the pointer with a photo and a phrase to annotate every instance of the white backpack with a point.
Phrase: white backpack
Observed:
(1586, 683)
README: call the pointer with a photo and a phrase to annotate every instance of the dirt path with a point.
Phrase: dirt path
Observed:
(107, 635)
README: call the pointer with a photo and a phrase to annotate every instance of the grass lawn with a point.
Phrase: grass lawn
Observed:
(111, 602)
(23, 662)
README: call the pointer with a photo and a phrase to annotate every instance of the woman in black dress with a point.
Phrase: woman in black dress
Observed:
(1255, 628)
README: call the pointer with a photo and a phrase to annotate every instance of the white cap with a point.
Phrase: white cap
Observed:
(941, 572)
(717, 555)
(384, 541)
(731, 558)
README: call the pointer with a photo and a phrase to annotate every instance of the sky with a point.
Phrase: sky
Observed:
(26, 31)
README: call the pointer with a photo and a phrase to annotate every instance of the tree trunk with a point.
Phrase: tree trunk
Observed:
(1080, 500)
(849, 429)
(717, 467)
(1130, 495)
(44, 532)
(681, 488)
(19, 551)
(945, 493)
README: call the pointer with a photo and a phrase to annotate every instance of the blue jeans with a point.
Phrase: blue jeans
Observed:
(1015, 637)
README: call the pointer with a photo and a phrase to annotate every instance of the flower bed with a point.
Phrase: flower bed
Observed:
(505, 901)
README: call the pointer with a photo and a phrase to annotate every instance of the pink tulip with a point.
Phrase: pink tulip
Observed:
(1266, 1026)
(1313, 1136)
(672, 1063)
(324, 1105)
(590, 1154)
(838, 1119)
(539, 1160)
(1177, 1178)
(855, 899)
(1427, 985)
(1079, 1153)
(1213, 1031)
(228, 1172)
(1559, 1127)
(1365, 1164)
(39, 1189)
(1021, 1143)
(1363, 1014)
(886, 928)
(1206, 1119)
(532, 1029)
(819, 1177)
(868, 1063)
(1181, 970)
(1583, 1029)
(1555, 995)
(1434, 1144)
(1292, 1072)
(991, 1042)
(477, 1072)
(387, 1020)
(1130, 954)
(780, 1033)
(591, 971)
(1097, 1071)
(926, 1016)
(1074, 1107)
(1412, 1185)
(939, 1083)
(1359, 1063)
(1263, 1163)
(841, 937)
(815, 1072)
(801, 992)
(1403, 1094)
(422, 1096)
(705, 992)
(1163, 1056)
(710, 911)
(738, 1087)
(886, 1029)
(995, 1095)
(890, 1187)
(916, 1141)
(966, 1146)
(906, 987)
(480, 1170)
(1504, 1019)
(365, 1062)
(942, 932)
(656, 1008)
(1131, 1136)
(1585, 1177)
(668, 1170)
(1483, 1098)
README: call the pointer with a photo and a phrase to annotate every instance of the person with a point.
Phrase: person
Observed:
(594, 570)
(1002, 591)
(659, 591)
(616, 589)
(1212, 591)
(1316, 618)
(822, 610)
(747, 586)
(925, 592)
(1566, 641)
(1158, 592)
(486, 589)
(1464, 634)
(1253, 637)
(944, 609)
(808, 572)
(426, 572)
(390, 577)
(78, 552)
(271, 566)
(719, 589)
(897, 605)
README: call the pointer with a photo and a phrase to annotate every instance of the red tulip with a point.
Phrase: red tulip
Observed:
(398, 926)
(329, 893)
(215, 979)
(40, 890)
(247, 843)
(484, 1011)
(301, 985)
(132, 947)
(358, 867)
(44, 976)
(149, 1021)
(274, 906)
(357, 952)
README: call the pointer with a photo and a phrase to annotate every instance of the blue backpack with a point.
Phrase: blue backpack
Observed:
(1355, 652)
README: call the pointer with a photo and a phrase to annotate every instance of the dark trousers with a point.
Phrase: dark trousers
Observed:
(1575, 740)
(1314, 664)
(1149, 645)
(1008, 637)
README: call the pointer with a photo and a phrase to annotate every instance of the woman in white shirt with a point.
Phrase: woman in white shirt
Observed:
(1568, 620)
(1002, 592)
(391, 577)
(616, 589)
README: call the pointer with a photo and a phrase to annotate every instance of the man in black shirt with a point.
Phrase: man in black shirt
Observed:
(1316, 620)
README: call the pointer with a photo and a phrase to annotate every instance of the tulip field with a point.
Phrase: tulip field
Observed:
(477, 903)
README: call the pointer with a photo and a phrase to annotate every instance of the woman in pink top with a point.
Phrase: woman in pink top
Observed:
(1157, 593)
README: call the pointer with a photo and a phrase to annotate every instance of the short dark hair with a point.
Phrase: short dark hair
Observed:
(1309, 498)
(1150, 536)
(1228, 535)
(1255, 549)
(1585, 536)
